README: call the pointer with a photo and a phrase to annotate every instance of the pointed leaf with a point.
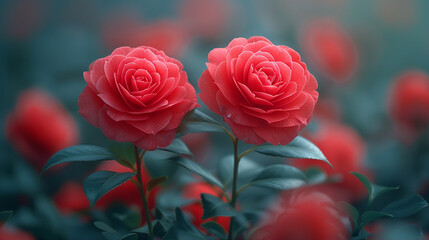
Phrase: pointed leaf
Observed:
(130, 217)
(197, 169)
(215, 229)
(315, 176)
(373, 189)
(99, 183)
(82, 153)
(298, 148)
(214, 207)
(351, 211)
(119, 236)
(124, 153)
(179, 147)
(406, 206)
(371, 216)
(183, 229)
(155, 182)
(279, 177)
(199, 116)
(196, 121)
(104, 227)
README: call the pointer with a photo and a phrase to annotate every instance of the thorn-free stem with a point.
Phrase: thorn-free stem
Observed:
(234, 184)
(142, 190)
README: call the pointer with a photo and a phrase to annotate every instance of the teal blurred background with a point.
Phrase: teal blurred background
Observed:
(48, 45)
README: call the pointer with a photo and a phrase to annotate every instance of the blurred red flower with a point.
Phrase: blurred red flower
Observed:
(345, 149)
(71, 198)
(207, 18)
(330, 49)
(8, 233)
(304, 215)
(263, 91)
(193, 191)
(127, 193)
(39, 126)
(168, 36)
(409, 103)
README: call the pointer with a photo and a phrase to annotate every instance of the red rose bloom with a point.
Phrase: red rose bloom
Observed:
(305, 216)
(194, 191)
(39, 127)
(409, 103)
(345, 149)
(137, 95)
(330, 49)
(71, 198)
(127, 193)
(263, 91)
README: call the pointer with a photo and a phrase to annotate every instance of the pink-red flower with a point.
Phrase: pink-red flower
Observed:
(304, 215)
(345, 149)
(39, 126)
(263, 91)
(193, 191)
(330, 49)
(137, 95)
(409, 103)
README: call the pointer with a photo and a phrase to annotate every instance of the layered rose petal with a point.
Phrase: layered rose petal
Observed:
(263, 91)
(137, 95)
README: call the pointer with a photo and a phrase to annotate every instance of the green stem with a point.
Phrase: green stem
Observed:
(234, 184)
(142, 190)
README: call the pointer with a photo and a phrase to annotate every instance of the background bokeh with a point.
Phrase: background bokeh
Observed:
(356, 49)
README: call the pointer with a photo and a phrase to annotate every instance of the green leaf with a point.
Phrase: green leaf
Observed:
(352, 211)
(130, 217)
(247, 170)
(199, 116)
(197, 169)
(298, 148)
(118, 236)
(196, 121)
(124, 153)
(79, 153)
(5, 215)
(279, 177)
(214, 207)
(104, 227)
(315, 175)
(363, 235)
(406, 206)
(371, 216)
(183, 229)
(373, 189)
(155, 162)
(179, 147)
(99, 183)
(155, 182)
(215, 229)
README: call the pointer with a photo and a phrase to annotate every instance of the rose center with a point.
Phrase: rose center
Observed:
(267, 76)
